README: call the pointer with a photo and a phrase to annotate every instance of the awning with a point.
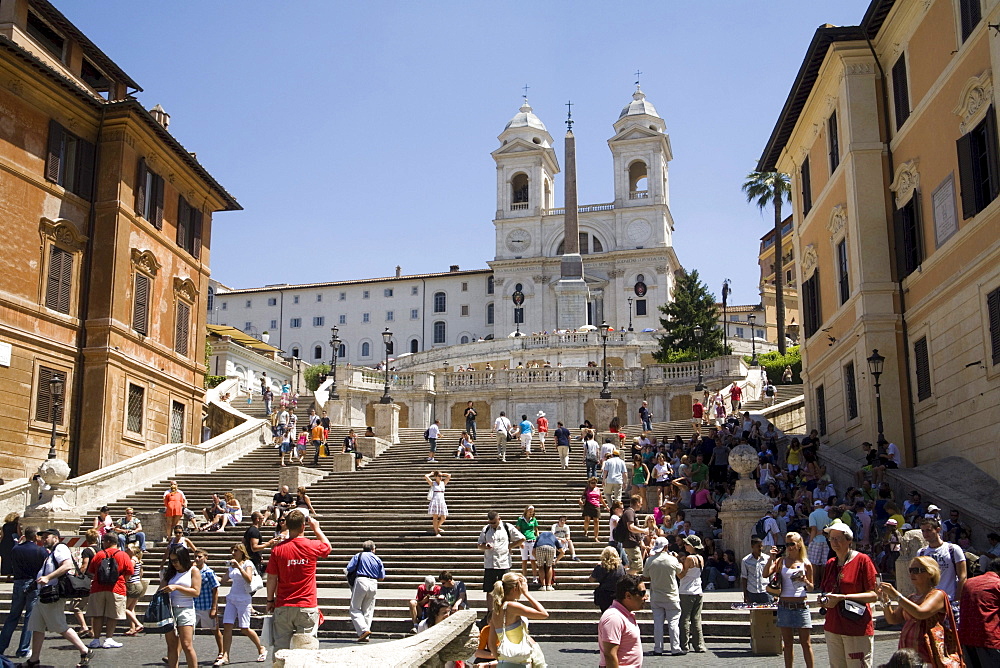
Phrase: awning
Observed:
(241, 338)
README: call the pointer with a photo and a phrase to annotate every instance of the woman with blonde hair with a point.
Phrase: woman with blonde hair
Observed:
(509, 619)
(11, 532)
(606, 575)
(796, 573)
(928, 622)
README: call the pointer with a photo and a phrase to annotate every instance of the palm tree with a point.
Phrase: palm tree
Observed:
(769, 189)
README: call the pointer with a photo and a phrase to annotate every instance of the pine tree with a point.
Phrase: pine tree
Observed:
(693, 306)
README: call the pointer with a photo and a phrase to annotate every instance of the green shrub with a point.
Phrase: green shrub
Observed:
(213, 381)
(775, 363)
(313, 373)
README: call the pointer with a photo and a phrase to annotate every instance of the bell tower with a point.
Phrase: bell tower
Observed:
(641, 150)
(526, 167)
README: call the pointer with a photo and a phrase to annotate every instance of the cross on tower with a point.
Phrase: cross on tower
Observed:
(637, 73)
(569, 115)
(525, 89)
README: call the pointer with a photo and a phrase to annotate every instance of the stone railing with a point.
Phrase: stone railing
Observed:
(787, 416)
(586, 208)
(106, 485)
(454, 639)
(638, 194)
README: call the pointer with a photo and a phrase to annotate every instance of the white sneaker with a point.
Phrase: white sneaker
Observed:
(710, 586)
(95, 643)
(111, 643)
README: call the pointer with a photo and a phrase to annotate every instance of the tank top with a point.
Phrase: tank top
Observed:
(792, 588)
(691, 582)
(177, 599)
(639, 476)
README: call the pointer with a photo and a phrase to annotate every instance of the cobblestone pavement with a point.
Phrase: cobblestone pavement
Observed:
(148, 650)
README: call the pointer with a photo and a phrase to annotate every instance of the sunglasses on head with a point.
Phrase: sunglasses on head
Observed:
(917, 571)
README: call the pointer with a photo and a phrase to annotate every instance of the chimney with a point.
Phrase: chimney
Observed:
(453, 268)
(160, 116)
(399, 271)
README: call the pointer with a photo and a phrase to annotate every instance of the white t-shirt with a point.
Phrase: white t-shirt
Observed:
(614, 470)
(433, 431)
(893, 452)
(593, 450)
(561, 532)
(60, 554)
(946, 555)
(606, 449)
(771, 527)
(499, 555)
(501, 424)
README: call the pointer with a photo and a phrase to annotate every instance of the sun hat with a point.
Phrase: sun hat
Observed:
(694, 542)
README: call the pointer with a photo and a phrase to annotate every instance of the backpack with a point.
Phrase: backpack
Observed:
(427, 434)
(760, 529)
(107, 570)
(856, 526)
(621, 532)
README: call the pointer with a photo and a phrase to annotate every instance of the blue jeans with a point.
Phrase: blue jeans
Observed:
(139, 536)
(591, 468)
(23, 599)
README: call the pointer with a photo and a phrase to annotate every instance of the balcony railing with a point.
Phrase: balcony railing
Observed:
(587, 208)
(519, 206)
(639, 194)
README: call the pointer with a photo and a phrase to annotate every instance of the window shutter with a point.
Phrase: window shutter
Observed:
(966, 175)
(183, 215)
(183, 329)
(993, 305)
(158, 203)
(197, 219)
(60, 280)
(85, 169)
(53, 160)
(43, 397)
(900, 91)
(140, 304)
(140, 187)
(992, 150)
(923, 369)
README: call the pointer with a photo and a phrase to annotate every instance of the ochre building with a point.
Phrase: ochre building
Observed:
(106, 224)
(890, 135)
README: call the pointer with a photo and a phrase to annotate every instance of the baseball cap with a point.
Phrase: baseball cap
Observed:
(891, 523)
(817, 503)
(659, 545)
(46, 532)
(931, 508)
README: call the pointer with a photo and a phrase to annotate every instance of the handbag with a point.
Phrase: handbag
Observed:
(849, 610)
(74, 584)
(159, 617)
(514, 652)
(48, 593)
(353, 575)
(267, 631)
(256, 582)
(774, 585)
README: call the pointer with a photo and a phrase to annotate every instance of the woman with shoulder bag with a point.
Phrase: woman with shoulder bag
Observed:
(794, 574)
(928, 623)
(849, 579)
(509, 640)
(689, 586)
(607, 574)
(239, 603)
(78, 606)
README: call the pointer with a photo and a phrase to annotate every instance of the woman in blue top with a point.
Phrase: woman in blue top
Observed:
(526, 429)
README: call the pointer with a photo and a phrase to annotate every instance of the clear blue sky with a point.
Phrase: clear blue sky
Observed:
(357, 135)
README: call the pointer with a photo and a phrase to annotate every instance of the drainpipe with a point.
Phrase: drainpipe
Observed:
(84, 307)
(905, 330)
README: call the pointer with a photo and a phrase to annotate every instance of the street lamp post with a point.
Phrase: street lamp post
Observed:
(698, 332)
(56, 387)
(752, 319)
(605, 392)
(875, 362)
(335, 346)
(387, 339)
(725, 319)
(630, 314)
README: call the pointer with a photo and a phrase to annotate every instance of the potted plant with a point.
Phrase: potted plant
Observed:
(266, 336)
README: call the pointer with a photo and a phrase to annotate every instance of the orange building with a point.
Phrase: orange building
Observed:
(765, 260)
(889, 133)
(107, 227)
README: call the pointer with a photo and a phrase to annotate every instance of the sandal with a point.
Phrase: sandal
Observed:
(85, 634)
(84, 659)
(220, 662)
(262, 657)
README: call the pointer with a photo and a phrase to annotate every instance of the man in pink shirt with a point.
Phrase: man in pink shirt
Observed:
(618, 632)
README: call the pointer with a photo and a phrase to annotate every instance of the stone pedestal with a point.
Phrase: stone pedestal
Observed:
(741, 511)
(387, 422)
(372, 446)
(51, 511)
(571, 298)
(909, 543)
(701, 519)
(343, 462)
(154, 525)
(337, 411)
(604, 410)
(253, 498)
(298, 476)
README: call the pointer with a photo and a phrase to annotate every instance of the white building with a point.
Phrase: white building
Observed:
(626, 246)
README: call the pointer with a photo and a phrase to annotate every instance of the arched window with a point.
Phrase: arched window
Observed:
(464, 339)
(295, 352)
(490, 285)
(318, 353)
(343, 350)
(440, 302)
(637, 181)
(589, 243)
(211, 299)
(414, 346)
(490, 311)
(366, 349)
(519, 191)
(440, 332)
(596, 245)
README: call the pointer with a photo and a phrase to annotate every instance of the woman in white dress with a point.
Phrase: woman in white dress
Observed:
(437, 508)
(239, 604)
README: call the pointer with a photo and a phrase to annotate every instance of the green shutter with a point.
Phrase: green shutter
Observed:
(140, 304)
(53, 159)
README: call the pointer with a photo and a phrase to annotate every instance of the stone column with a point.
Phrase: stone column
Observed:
(741, 511)
(909, 543)
(343, 462)
(387, 422)
(604, 410)
(336, 410)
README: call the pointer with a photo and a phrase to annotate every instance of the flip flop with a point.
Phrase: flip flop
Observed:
(262, 657)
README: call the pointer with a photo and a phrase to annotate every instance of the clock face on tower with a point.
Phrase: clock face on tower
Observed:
(518, 240)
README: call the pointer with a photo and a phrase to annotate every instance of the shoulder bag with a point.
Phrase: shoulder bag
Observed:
(514, 652)
(256, 582)
(74, 584)
(159, 617)
(850, 610)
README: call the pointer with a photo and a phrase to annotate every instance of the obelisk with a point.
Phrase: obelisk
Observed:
(571, 290)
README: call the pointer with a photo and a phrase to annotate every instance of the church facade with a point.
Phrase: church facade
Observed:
(625, 246)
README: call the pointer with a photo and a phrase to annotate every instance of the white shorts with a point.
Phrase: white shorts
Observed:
(526, 442)
(203, 620)
(526, 548)
(237, 613)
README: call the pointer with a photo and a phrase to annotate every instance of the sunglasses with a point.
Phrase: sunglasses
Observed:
(917, 571)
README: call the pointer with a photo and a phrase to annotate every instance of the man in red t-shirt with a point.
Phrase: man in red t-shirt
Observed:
(697, 412)
(106, 603)
(735, 397)
(291, 580)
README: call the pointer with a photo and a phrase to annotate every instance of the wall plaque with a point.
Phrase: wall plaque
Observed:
(945, 211)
